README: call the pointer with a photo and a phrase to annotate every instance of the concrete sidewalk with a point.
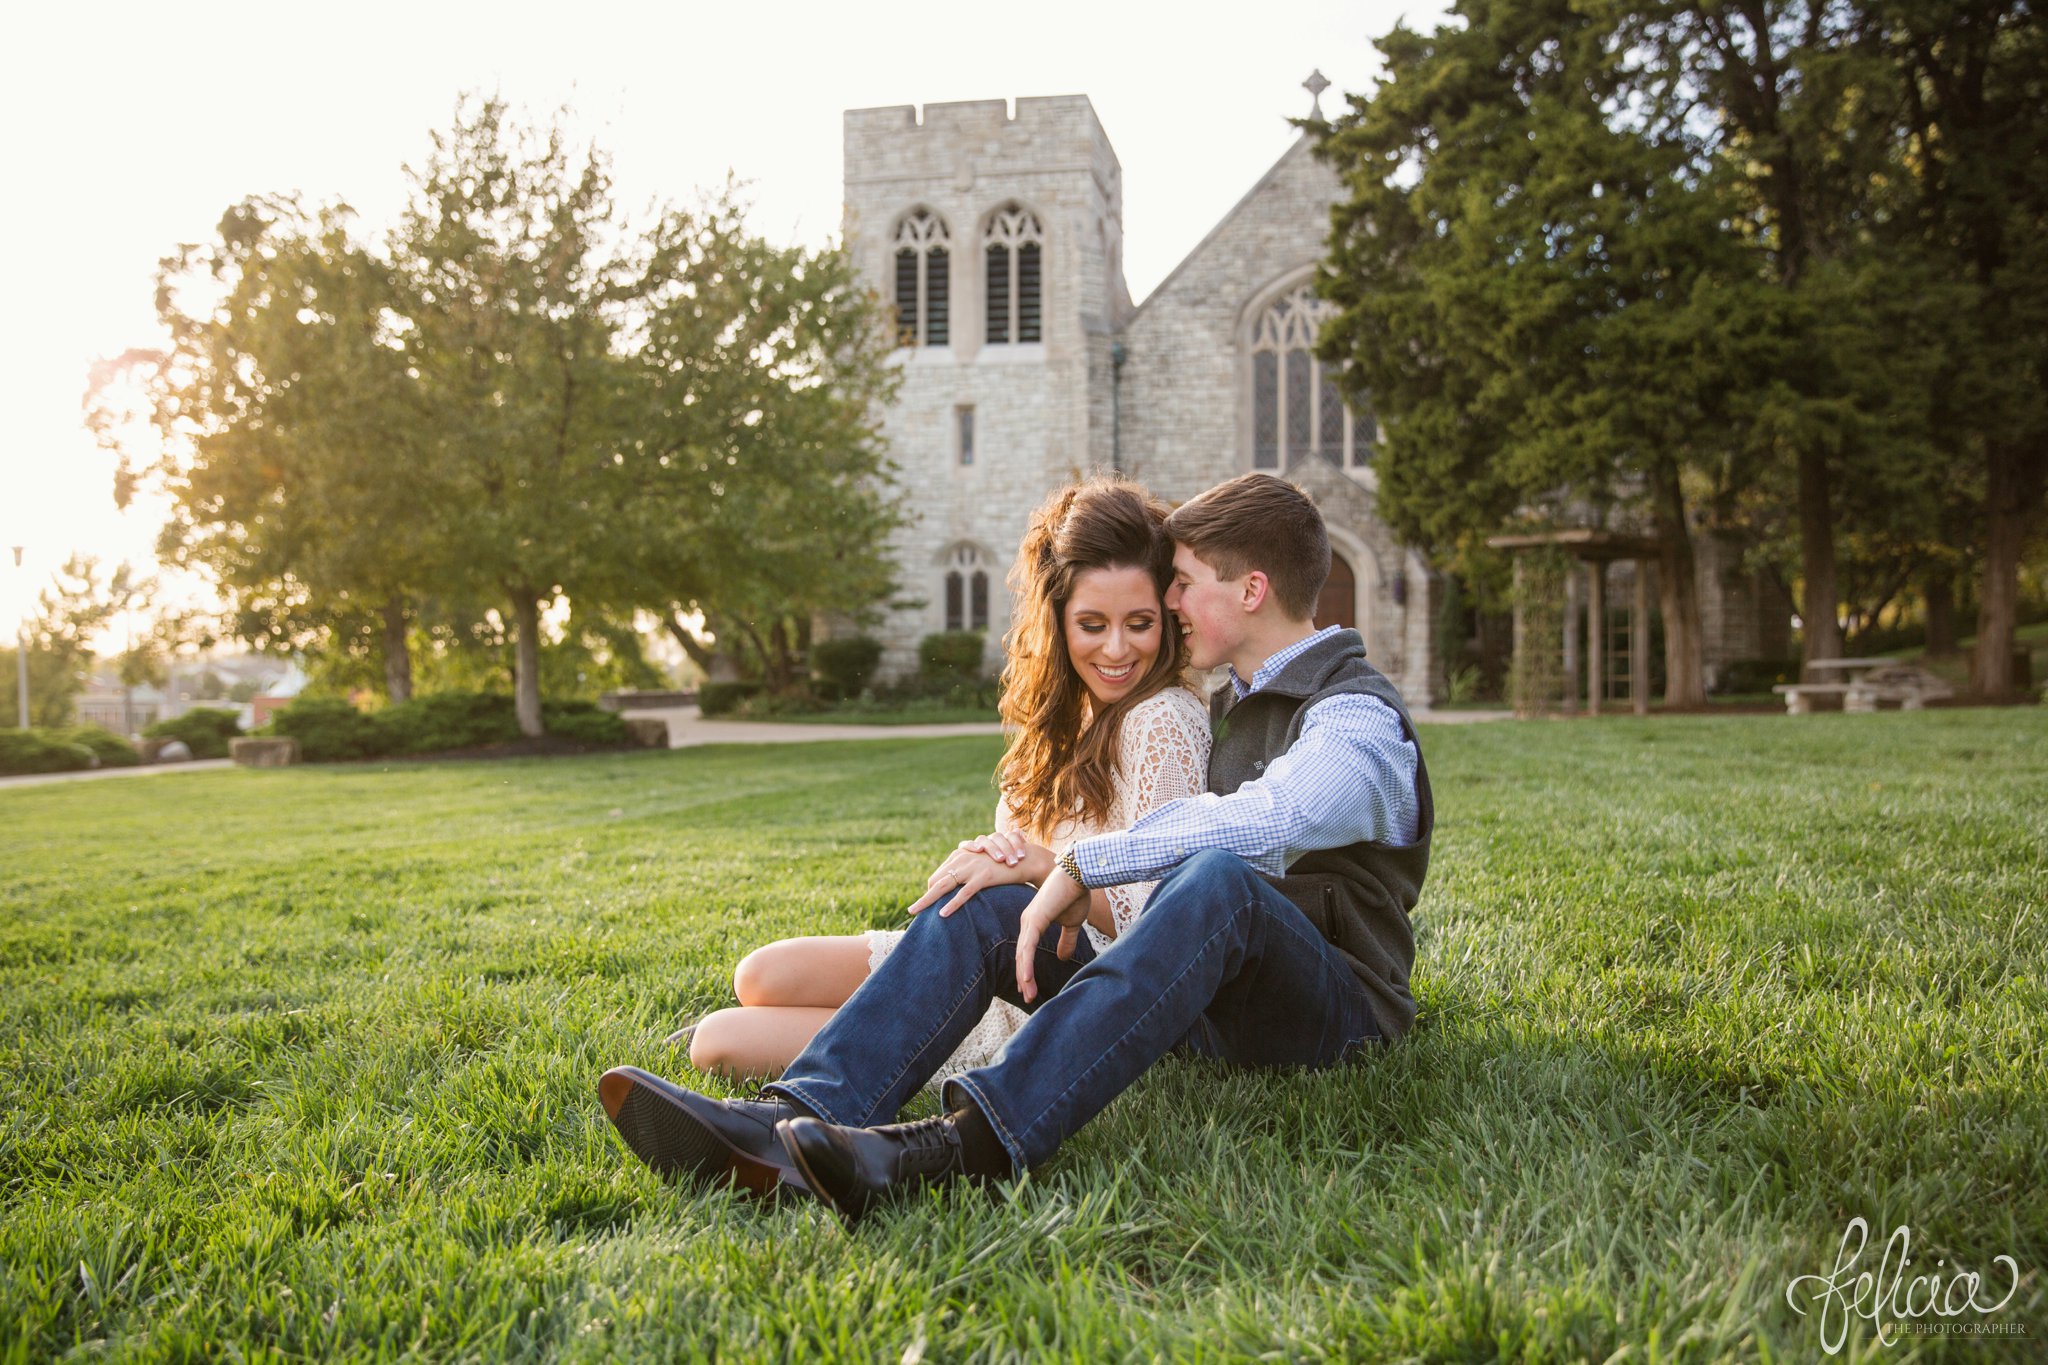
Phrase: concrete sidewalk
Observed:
(201, 765)
(687, 728)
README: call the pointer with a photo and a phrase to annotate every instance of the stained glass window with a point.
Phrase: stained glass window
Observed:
(1329, 420)
(1265, 410)
(1298, 390)
(1311, 417)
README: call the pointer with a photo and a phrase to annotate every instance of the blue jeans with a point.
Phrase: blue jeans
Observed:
(1220, 964)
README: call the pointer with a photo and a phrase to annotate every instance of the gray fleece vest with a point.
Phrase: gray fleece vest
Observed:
(1359, 896)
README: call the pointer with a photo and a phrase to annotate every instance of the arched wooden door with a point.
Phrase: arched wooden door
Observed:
(1338, 605)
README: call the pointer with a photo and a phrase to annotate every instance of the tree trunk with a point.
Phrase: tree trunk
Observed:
(1820, 595)
(692, 646)
(1939, 591)
(1685, 682)
(397, 657)
(1998, 601)
(526, 671)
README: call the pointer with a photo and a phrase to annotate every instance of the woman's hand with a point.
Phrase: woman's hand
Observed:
(996, 859)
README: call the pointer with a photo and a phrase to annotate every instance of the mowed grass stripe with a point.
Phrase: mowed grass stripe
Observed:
(305, 1063)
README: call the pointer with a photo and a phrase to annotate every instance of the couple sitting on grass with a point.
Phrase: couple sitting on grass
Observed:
(1247, 902)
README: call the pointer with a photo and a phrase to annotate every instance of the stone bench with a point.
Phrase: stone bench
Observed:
(1912, 688)
(1799, 696)
(630, 700)
(280, 752)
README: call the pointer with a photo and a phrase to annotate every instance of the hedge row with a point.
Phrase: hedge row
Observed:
(63, 751)
(330, 729)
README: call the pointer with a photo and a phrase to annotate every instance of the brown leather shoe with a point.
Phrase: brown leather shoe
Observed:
(854, 1169)
(683, 1135)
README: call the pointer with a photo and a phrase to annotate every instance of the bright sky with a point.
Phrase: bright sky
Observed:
(134, 125)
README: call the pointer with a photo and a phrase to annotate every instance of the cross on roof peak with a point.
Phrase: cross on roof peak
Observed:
(1316, 84)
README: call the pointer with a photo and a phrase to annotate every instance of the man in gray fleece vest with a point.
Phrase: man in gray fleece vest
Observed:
(1277, 934)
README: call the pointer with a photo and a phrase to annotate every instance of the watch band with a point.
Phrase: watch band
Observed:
(1067, 864)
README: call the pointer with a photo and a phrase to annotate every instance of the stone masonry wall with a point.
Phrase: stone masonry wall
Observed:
(1186, 398)
(1035, 416)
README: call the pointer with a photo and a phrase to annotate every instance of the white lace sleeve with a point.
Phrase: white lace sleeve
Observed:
(1162, 756)
(1006, 819)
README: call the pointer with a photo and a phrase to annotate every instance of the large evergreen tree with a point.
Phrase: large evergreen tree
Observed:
(1722, 261)
(1542, 302)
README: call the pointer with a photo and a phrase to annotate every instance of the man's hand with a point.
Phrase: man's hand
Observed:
(1059, 901)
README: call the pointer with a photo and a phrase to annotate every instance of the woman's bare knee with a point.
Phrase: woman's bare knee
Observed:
(753, 1040)
(773, 974)
(801, 971)
(712, 1045)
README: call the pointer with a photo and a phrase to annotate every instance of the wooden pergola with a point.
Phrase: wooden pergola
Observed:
(1594, 551)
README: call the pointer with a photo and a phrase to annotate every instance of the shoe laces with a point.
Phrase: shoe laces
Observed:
(929, 1147)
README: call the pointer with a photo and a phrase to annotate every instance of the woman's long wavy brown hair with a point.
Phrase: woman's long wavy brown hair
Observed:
(1060, 761)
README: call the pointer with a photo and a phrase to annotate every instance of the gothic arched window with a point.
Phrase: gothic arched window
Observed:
(1297, 410)
(1014, 245)
(921, 280)
(966, 588)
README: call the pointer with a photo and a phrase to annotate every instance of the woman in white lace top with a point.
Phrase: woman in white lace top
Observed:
(1103, 730)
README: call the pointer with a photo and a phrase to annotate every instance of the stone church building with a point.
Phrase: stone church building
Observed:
(1000, 238)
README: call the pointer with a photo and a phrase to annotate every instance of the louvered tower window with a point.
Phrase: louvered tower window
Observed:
(921, 280)
(1014, 250)
(966, 588)
(1297, 410)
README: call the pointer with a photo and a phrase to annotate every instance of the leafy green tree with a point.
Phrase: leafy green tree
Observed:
(762, 485)
(683, 418)
(513, 400)
(81, 602)
(289, 430)
(517, 280)
(1971, 211)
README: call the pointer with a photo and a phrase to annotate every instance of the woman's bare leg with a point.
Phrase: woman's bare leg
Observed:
(821, 972)
(755, 1040)
(787, 990)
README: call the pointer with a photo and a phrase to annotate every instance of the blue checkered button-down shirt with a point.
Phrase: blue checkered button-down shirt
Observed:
(1349, 778)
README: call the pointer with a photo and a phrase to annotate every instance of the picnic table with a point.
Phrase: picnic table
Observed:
(1864, 683)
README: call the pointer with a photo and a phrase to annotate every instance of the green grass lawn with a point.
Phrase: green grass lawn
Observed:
(302, 1064)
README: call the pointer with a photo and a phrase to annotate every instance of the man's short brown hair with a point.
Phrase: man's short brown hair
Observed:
(1256, 521)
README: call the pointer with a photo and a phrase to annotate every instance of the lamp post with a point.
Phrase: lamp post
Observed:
(21, 659)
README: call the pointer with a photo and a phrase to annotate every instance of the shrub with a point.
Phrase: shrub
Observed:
(1744, 676)
(949, 692)
(331, 730)
(583, 721)
(767, 705)
(447, 720)
(844, 667)
(719, 698)
(951, 656)
(328, 729)
(40, 751)
(112, 750)
(205, 730)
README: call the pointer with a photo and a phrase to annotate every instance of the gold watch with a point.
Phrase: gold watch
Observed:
(1067, 864)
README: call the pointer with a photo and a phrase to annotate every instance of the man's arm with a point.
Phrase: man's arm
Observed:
(1350, 777)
